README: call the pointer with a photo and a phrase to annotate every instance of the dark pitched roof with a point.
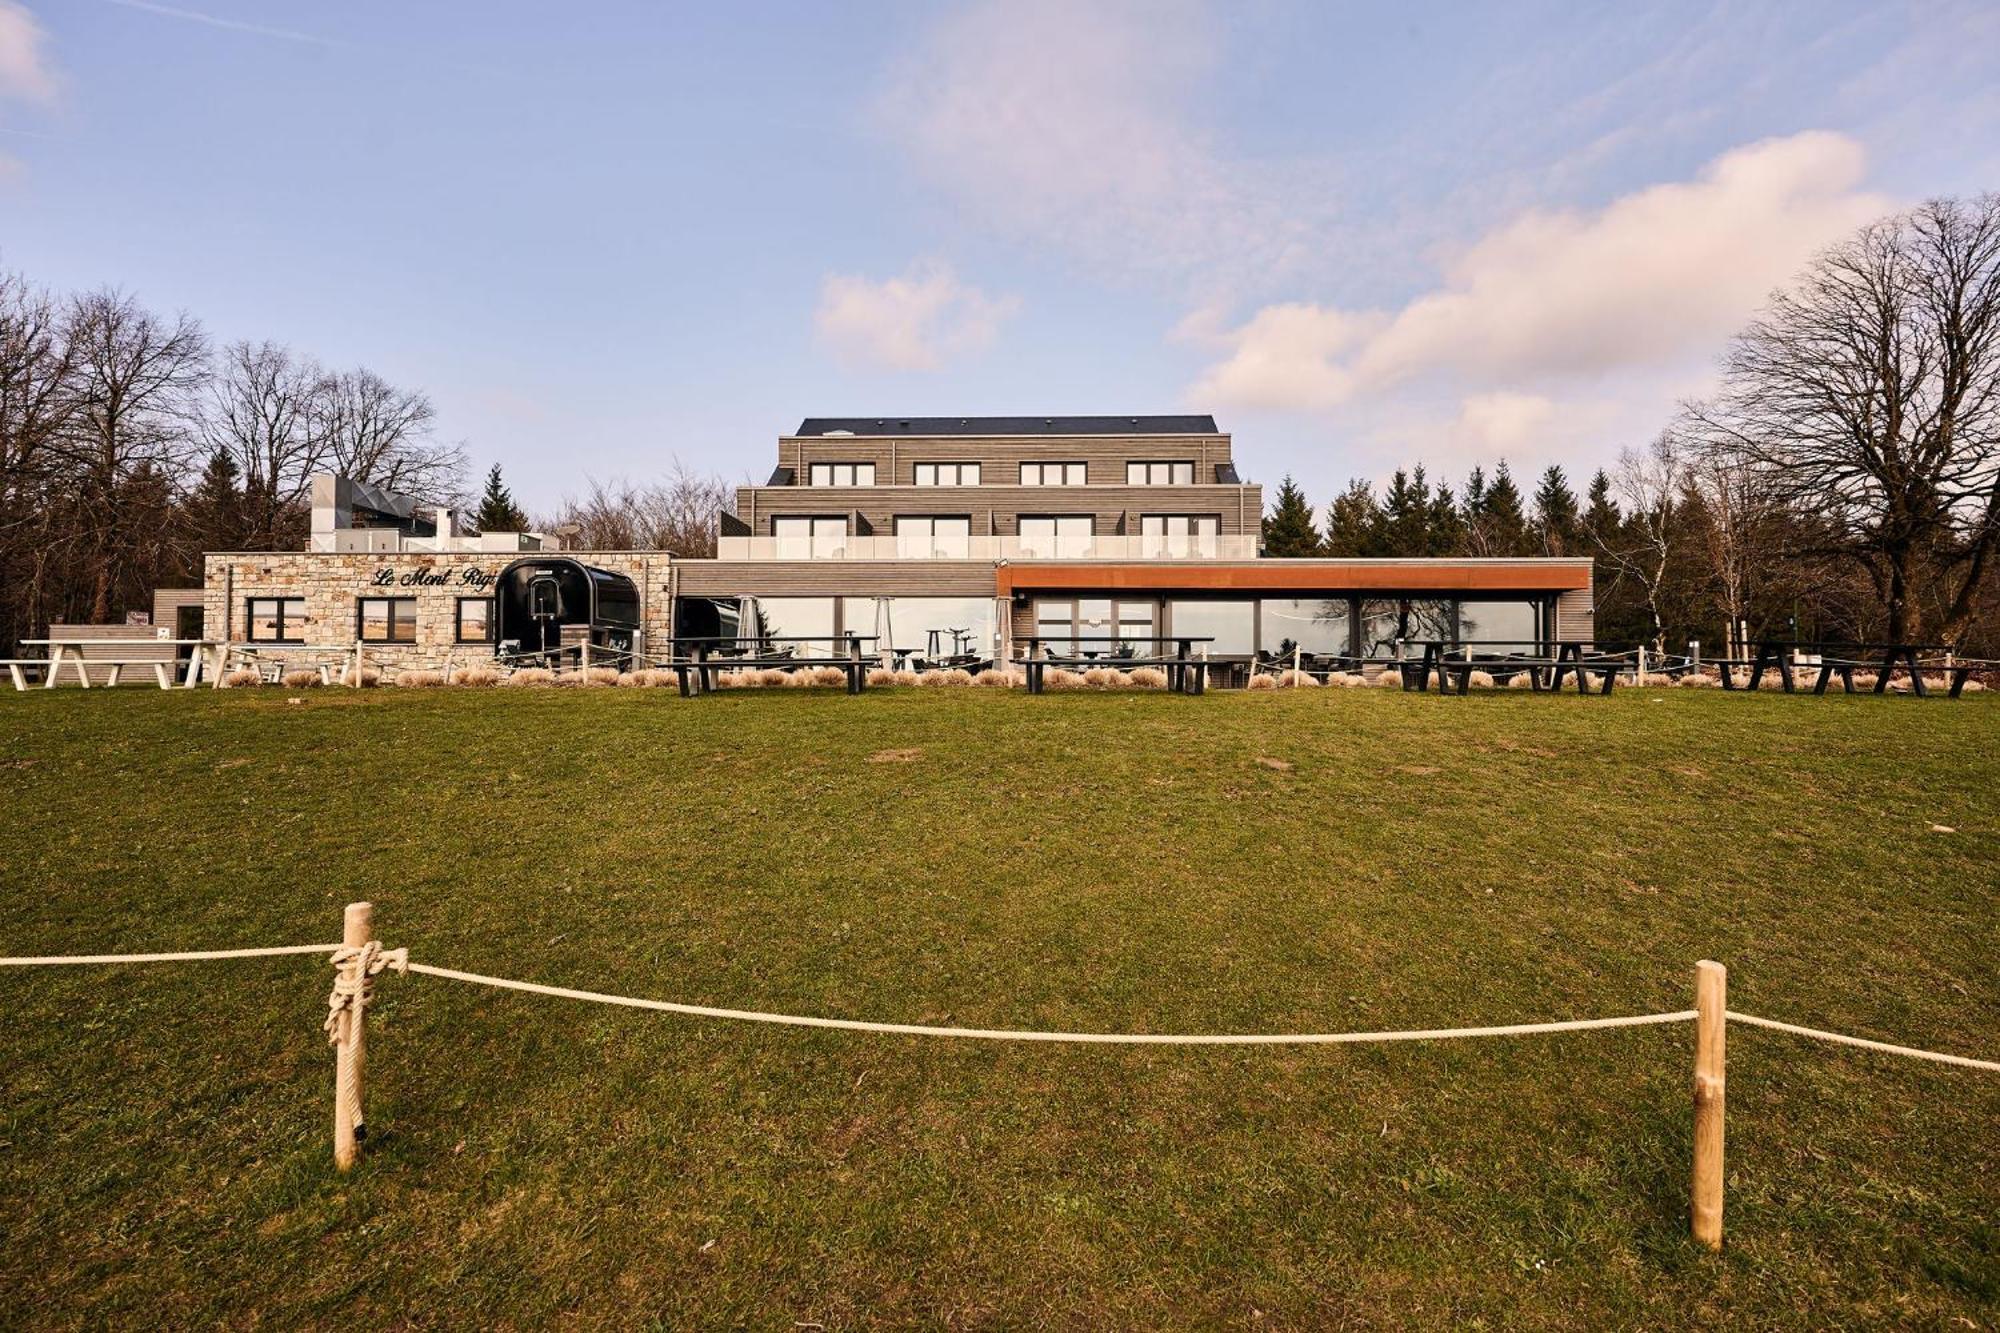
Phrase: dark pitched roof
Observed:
(926, 426)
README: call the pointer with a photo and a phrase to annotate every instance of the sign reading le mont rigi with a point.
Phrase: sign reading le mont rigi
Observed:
(470, 577)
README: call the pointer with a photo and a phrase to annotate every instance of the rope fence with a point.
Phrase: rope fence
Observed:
(360, 958)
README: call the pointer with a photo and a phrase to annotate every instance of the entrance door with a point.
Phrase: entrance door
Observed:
(187, 625)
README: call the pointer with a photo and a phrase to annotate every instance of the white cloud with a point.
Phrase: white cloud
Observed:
(1504, 422)
(918, 321)
(1653, 279)
(1069, 123)
(25, 72)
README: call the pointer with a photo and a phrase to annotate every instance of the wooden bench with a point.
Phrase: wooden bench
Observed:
(697, 672)
(1186, 673)
(18, 668)
(163, 670)
(1545, 674)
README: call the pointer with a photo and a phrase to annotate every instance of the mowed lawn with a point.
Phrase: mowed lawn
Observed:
(1318, 860)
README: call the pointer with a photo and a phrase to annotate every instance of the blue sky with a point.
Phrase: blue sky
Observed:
(605, 235)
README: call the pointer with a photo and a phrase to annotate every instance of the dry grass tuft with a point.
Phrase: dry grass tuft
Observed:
(948, 677)
(530, 677)
(1062, 678)
(1390, 679)
(240, 677)
(300, 679)
(478, 677)
(419, 678)
(1291, 680)
(1697, 680)
(1262, 682)
(1149, 678)
(1480, 680)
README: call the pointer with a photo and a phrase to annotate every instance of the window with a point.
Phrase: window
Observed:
(277, 620)
(1413, 622)
(1055, 535)
(1052, 474)
(810, 618)
(1177, 534)
(387, 620)
(1500, 627)
(842, 474)
(810, 538)
(1159, 474)
(473, 621)
(1311, 624)
(928, 627)
(926, 537)
(947, 474)
(1232, 626)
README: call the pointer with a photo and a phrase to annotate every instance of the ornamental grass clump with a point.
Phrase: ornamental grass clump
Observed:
(1061, 678)
(1479, 680)
(1260, 681)
(1149, 678)
(946, 678)
(1390, 679)
(419, 678)
(370, 677)
(1696, 680)
(1292, 679)
(531, 678)
(240, 677)
(478, 677)
(996, 679)
(301, 678)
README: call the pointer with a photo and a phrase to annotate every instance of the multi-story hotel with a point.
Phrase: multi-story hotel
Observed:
(927, 536)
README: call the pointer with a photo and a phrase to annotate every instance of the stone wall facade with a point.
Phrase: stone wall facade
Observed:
(333, 584)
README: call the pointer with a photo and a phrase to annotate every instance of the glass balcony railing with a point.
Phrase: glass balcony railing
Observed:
(1153, 546)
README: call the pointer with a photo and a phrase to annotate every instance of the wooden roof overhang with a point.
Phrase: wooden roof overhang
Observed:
(1296, 576)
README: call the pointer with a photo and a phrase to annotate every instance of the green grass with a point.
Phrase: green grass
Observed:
(1105, 862)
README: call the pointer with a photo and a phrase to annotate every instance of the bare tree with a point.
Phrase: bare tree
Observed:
(1868, 396)
(372, 431)
(259, 410)
(680, 514)
(39, 397)
(138, 373)
(1650, 483)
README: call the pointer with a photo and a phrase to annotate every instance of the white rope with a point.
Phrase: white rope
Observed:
(1091, 1038)
(1864, 1043)
(355, 968)
(198, 956)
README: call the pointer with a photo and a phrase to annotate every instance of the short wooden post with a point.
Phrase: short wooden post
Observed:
(357, 928)
(1298, 657)
(1711, 1000)
(355, 680)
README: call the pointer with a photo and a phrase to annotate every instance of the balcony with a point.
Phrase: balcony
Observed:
(1096, 546)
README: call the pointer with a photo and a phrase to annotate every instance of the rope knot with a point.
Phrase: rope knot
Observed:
(355, 968)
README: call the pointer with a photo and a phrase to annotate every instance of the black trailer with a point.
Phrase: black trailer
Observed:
(550, 605)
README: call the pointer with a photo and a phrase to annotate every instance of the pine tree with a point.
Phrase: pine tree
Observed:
(1406, 513)
(1601, 521)
(1289, 531)
(216, 515)
(1557, 520)
(1447, 523)
(1354, 522)
(497, 511)
(1502, 518)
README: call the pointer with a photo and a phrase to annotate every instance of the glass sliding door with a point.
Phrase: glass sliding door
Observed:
(1319, 625)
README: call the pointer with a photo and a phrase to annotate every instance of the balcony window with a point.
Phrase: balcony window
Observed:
(1310, 624)
(947, 474)
(387, 620)
(810, 538)
(1052, 474)
(1055, 536)
(1159, 474)
(926, 537)
(842, 474)
(1178, 534)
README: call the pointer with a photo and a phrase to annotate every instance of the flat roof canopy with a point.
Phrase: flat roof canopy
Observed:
(1345, 576)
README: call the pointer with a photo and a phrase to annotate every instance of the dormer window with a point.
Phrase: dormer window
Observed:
(1159, 474)
(947, 474)
(842, 474)
(1052, 474)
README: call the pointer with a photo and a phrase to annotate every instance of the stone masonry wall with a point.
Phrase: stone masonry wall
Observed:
(332, 585)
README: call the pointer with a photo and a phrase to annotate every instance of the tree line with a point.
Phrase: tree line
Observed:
(1842, 482)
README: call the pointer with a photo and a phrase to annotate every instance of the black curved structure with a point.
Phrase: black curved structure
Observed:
(550, 603)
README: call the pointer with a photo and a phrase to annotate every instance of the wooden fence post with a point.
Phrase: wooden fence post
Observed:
(1711, 998)
(356, 681)
(357, 928)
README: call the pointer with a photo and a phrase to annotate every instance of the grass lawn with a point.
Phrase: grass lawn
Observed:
(1309, 861)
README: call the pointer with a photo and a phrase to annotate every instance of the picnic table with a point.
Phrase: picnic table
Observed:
(710, 655)
(1835, 658)
(1545, 672)
(70, 651)
(1186, 673)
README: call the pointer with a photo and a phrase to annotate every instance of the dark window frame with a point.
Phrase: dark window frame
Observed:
(832, 468)
(958, 474)
(361, 620)
(458, 620)
(1168, 463)
(250, 619)
(1065, 465)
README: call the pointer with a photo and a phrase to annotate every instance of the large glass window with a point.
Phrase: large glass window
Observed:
(842, 474)
(1159, 474)
(1055, 622)
(277, 619)
(388, 620)
(1105, 626)
(1500, 627)
(799, 617)
(927, 627)
(947, 474)
(1052, 474)
(929, 537)
(1383, 622)
(1311, 624)
(1055, 536)
(1178, 534)
(475, 620)
(1231, 625)
(810, 538)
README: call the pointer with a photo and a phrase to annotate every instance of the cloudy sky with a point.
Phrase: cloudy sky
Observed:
(606, 234)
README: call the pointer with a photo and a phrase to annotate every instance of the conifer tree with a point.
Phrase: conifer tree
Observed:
(216, 516)
(1354, 522)
(1502, 520)
(1289, 530)
(497, 510)
(1558, 523)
